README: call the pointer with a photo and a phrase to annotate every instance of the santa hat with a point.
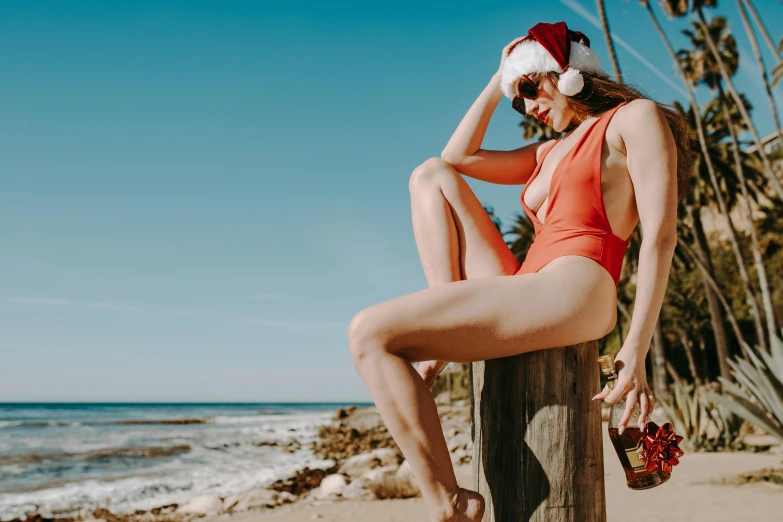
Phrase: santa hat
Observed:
(545, 49)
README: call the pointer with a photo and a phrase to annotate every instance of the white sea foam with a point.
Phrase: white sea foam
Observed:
(222, 476)
(225, 458)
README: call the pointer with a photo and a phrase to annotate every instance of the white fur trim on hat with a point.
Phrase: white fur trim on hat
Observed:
(530, 57)
(570, 82)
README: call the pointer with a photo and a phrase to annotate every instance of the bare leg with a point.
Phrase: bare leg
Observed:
(455, 237)
(485, 316)
(571, 300)
(456, 240)
(409, 412)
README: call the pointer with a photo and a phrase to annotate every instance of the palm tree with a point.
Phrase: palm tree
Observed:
(777, 72)
(694, 234)
(699, 66)
(766, 297)
(754, 45)
(523, 233)
(721, 67)
(673, 8)
(764, 31)
(535, 129)
(490, 210)
(599, 4)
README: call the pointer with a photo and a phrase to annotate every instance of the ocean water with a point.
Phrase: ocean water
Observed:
(69, 459)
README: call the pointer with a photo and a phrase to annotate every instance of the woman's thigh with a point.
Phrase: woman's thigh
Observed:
(483, 251)
(490, 317)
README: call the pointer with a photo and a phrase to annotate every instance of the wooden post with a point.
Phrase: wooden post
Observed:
(537, 449)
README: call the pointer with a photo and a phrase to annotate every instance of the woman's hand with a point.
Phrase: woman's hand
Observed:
(429, 370)
(631, 381)
(506, 50)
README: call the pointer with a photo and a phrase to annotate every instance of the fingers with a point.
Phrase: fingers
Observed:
(646, 412)
(512, 44)
(643, 408)
(630, 402)
(602, 394)
(615, 394)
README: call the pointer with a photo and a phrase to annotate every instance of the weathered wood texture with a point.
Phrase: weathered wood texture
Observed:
(537, 453)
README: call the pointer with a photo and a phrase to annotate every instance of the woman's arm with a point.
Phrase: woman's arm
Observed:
(464, 150)
(652, 165)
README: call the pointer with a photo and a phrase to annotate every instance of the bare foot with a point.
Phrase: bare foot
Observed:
(468, 506)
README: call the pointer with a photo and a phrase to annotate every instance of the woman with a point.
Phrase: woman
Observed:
(624, 162)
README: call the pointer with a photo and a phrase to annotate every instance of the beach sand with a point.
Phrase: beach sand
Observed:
(694, 493)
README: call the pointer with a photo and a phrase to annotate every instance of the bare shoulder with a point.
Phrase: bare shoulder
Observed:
(541, 147)
(638, 120)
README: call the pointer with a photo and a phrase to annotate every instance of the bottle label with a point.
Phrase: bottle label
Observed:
(637, 464)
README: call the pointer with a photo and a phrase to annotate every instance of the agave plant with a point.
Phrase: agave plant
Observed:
(693, 413)
(758, 395)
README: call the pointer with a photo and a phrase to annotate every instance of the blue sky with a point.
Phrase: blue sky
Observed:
(197, 197)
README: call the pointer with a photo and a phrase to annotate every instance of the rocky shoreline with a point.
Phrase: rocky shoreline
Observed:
(368, 465)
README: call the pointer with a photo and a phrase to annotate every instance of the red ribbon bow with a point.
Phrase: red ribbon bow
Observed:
(660, 447)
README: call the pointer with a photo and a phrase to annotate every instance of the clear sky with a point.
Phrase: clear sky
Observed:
(197, 197)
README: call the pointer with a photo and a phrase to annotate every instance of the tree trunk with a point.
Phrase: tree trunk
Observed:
(763, 29)
(755, 46)
(766, 298)
(703, 358)
(599, 4)
(717, 324)
(714, 285)
(716, 319)
(755, 311)
(740, 106)
(537, 442)
(688, 347)
(750, 297)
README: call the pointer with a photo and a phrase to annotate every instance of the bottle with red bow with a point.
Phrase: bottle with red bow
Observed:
(630, 444)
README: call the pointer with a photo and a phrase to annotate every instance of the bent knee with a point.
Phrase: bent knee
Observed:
(363, 335)
(430, 173)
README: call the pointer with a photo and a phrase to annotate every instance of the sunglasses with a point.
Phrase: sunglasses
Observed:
(526, 88)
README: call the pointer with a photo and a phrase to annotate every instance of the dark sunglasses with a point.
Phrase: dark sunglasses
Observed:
(526, 88)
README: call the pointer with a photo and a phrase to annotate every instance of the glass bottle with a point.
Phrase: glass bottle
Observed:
(628, 443)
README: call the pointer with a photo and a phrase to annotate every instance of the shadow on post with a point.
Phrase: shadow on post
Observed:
(537, 453)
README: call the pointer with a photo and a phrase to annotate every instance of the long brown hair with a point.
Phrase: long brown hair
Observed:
(601, 93)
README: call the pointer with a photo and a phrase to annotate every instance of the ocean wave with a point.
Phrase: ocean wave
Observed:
(163, 421)
(127, 422)
(240, 419)
(126, 466)
(37, 424)
(152, 490)
(150, 452)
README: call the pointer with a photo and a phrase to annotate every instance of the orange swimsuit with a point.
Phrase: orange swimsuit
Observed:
(576, 222)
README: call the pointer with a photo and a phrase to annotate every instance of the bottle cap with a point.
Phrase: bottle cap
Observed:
(606, 362)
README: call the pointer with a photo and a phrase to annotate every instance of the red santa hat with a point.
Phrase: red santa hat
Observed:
(551, 47)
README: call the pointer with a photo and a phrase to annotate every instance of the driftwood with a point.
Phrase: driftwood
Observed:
(537, 450)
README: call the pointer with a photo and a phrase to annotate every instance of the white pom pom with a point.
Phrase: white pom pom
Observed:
(570, 82)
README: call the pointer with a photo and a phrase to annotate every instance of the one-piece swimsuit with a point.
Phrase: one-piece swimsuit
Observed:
(576, 221)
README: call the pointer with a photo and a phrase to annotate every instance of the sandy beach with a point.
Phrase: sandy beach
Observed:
(349, 469)
(690, 495)
(703, 487)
